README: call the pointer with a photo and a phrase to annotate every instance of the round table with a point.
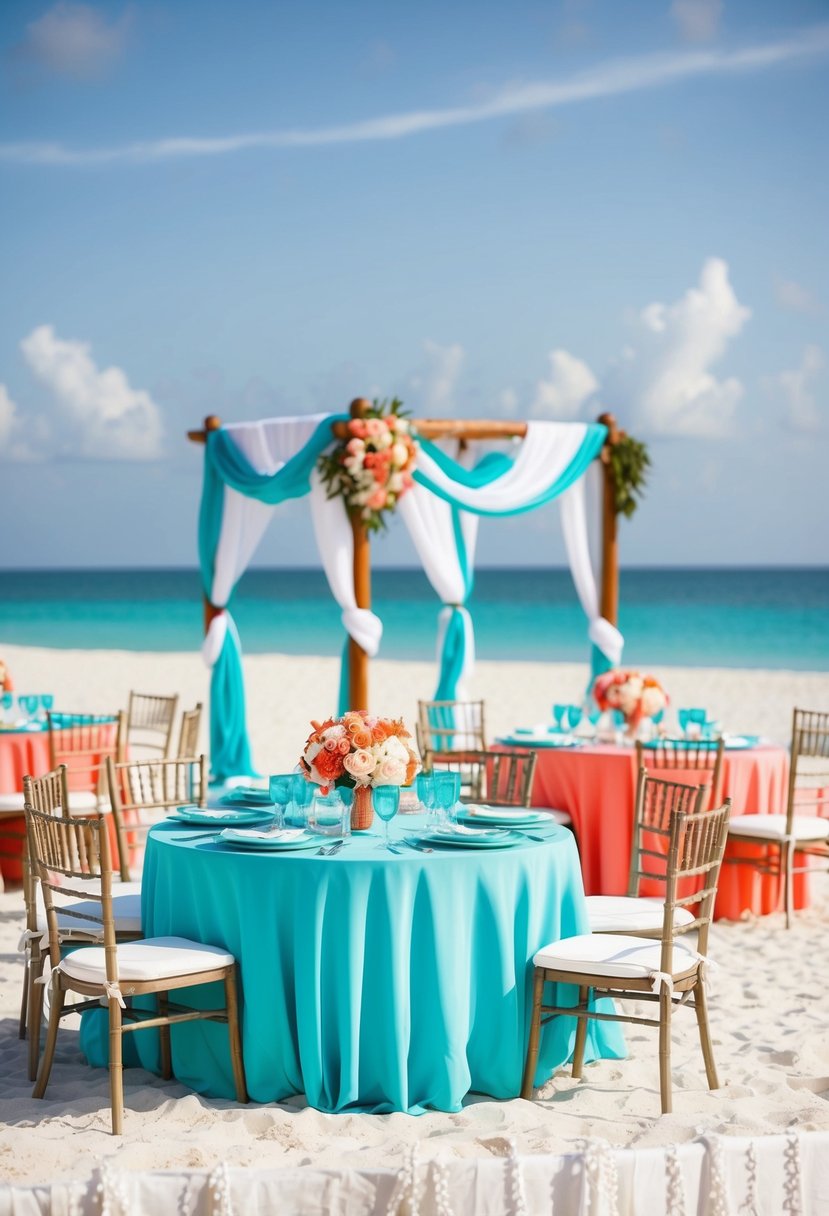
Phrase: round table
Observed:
(370, 981)
(22, 753)
(596, 785)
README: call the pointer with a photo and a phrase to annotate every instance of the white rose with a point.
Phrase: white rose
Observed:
(395, 483)
(400, 454)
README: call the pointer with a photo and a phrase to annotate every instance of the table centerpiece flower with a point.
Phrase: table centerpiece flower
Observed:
(637, 696)
(359, 751)
(372, 468)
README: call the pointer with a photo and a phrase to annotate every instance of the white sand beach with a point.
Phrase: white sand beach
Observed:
(769, 1016)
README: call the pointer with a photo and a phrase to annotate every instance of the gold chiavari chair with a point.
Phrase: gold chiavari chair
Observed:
(142, 792)
(450, 726)
(71, 858)
(49, 795)
(697, 760)
(188, 737)
(803, 828)
(630, 968)
(83, 742)
(634, 913)
(150, 721)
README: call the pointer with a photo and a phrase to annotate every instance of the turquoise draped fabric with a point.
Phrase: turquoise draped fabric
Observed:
(370, 982)
(225, 464)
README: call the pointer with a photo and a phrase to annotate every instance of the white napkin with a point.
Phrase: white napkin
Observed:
(285, 836)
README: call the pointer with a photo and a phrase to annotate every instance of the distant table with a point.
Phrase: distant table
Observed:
(22, 753)
(596, 785)
(371, 981)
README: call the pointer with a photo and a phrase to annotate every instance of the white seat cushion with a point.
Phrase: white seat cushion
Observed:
(613, 955)
(126, 911)
(152, 958)
(630, 914)
(83, 800)
(11, 803)
(773, 827)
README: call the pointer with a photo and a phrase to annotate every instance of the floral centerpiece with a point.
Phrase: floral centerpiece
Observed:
(637, 696)
(359, 751)
(372, 468)
(6, 682)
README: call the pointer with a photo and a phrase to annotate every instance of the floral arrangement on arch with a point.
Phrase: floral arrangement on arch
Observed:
(372, 468)
(637, 696)
(359, 750)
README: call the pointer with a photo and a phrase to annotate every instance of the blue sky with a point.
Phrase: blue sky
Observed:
(533, 210)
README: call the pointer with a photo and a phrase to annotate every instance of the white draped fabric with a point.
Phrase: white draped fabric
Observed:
(576, 540)
(335, 542)
(429, 520)
(547, 449)
(267, 446)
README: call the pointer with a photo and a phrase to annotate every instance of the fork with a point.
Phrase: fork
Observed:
(328, 850)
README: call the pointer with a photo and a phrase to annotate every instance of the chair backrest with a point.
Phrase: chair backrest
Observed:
(695, 852)
(70, 857)
(47, 794)
(450, 726)
(502, 778)
(809, 767)
(700, 758)
(143, 791)
(83, 742)
(188, 737)
(150, 721)
(656, 801)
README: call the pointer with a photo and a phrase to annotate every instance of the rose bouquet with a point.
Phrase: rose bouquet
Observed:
(637, 696)
(358, 750)
(372, 469)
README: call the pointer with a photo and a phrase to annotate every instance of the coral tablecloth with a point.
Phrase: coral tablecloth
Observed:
(370, 981)
(596, 785)
(22, 752)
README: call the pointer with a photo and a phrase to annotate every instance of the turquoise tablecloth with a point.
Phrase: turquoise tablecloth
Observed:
(370, 981)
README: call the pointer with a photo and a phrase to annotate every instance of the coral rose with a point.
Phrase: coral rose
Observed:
(329, 765)
(361, 738)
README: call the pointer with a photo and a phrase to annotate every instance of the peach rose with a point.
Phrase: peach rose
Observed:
(357, 427)
(360, 764)
(361, 738)
(390, 771)
(343, 746)
(375, 427)
(377, 500)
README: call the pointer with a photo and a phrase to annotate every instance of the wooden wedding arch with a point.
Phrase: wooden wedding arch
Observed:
(463, 430)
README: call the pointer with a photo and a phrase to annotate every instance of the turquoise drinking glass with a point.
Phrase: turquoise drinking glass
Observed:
(386, 802)
(683, 717)
(302, 795)
(425, 790)
(47, 700)
(447, 792)
(280, 787)
(558, 713)
(574, 716)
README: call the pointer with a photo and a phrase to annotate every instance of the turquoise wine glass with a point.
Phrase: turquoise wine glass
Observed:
(558, 713)
(574, 716)
(280, 787)
(447, 792)
(425, 789)
(386, 802)
(302, 795)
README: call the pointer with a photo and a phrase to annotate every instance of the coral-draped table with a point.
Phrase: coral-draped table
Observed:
(370, 981)
(22, 753)
(596, 785)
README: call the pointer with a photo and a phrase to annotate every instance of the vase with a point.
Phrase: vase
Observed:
(362, 809)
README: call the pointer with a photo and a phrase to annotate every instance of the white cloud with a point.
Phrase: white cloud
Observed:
(433, 385)
(569, 385)
(798, 390)
(698, 20)
(13, 446)
(613, 78)
(794, 297)
(97, 413)
(74, 40)
(665, 375)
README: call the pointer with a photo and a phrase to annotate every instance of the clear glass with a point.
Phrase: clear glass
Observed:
(280, 787)
(346, 799)
(386, 801)
(327, 813)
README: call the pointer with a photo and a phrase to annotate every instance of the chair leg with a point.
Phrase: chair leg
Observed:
(24, 996)
(164, 1038)
(55, 1011)
(236, 1058)
(34, 1014)
(581, 1036)
(535, 1035)
(116, 1070)
(788, 880)
(665, 1011)
(701, 1010)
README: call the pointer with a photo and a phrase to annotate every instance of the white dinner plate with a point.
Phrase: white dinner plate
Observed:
(531, 738)
(472, 838)
(204, 816)
(285, 841)
(503, 816)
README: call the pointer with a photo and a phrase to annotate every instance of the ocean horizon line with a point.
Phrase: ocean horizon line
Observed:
(386, 569)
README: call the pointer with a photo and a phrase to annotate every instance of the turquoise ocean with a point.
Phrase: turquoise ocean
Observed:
(706, 618)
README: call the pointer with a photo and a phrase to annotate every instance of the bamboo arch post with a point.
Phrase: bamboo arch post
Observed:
(357, 657)
(211, 423)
